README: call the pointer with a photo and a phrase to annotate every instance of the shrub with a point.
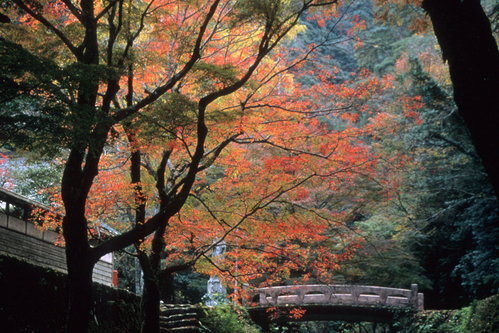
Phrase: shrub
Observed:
(226, 318)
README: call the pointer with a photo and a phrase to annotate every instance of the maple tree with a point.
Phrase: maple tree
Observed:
(257, 201)
(90, 66)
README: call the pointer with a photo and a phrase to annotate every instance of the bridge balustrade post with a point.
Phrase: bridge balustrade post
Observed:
(355, 294)
(263, 299)
(383, 296)
(274, 294)
(300, 292)
(420, 301)
(328, 292)
(414, 296)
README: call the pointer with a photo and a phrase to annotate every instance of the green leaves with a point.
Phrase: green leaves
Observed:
(170, 113)
(211, 76)
(21, 71)
(227, 318)
(454, 208)
(39, 105)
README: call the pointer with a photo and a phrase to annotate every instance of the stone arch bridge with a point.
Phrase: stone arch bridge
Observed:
(331, 303)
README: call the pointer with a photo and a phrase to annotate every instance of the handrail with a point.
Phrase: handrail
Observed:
(335, 295)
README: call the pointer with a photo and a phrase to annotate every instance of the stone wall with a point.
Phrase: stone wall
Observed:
(21, 239)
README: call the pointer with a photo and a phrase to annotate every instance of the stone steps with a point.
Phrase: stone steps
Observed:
(179, 318)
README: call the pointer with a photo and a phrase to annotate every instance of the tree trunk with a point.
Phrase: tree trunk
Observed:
(80, 262)
(80, 268)
(465, 37)
(150, 305)
(150, 296)
(166, 287)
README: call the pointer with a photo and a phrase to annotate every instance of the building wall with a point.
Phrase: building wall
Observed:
(21, 239)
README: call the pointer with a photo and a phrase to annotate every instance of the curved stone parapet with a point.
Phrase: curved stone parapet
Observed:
(335, 294)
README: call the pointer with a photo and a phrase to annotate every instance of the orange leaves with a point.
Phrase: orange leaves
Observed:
(411, 106)
(282, 166)
(293, 313)
(46, 220)
(286, 164)
(357, 25)
(351, 117)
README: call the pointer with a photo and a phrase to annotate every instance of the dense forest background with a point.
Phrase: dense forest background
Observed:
(436, 221)
(440, 227)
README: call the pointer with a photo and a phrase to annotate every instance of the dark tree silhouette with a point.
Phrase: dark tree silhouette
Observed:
(465, 37)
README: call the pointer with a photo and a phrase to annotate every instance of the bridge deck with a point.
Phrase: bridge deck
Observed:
(331, 302)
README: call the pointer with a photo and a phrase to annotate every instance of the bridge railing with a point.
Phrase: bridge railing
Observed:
(336, 295)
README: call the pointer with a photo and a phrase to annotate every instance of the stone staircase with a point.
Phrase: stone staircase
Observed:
(179, 318)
